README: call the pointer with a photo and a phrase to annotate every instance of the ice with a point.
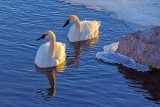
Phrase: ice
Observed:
(141, 12)
(110, 56)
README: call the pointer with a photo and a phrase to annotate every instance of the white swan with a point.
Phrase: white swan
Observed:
(83, 30)
(51, 53)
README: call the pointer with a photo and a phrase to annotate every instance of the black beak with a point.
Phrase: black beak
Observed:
(67, 22)
(42, 37)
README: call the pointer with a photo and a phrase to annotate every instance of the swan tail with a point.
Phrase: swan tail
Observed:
(99, 23)
(64, 45)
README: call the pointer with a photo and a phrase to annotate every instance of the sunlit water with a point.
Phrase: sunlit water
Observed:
(82, 81)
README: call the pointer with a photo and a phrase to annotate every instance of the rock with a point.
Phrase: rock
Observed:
(143, 46)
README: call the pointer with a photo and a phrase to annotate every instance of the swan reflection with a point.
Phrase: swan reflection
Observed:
(51, 76)
(78, 48)
(146, 82)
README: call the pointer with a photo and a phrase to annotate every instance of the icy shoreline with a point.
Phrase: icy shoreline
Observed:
(110, 55)
(140, 12)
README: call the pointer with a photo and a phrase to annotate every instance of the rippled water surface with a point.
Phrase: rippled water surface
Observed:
(82, 81)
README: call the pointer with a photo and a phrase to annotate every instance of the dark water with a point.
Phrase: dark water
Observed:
(80, 82)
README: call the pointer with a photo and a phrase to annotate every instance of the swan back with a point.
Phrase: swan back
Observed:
(90, 29)
(43, 61)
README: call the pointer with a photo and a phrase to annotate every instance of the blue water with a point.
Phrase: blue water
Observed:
(82, 81)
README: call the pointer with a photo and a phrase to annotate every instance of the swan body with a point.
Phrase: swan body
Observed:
(82, 30)
(51, 53)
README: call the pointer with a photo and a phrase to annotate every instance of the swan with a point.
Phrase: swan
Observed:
(82, 30)
(51, 53)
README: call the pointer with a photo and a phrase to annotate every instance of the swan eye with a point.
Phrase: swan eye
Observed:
(44, 35)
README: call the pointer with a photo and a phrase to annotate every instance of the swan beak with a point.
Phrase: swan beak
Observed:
(67, 22)
(42, 37)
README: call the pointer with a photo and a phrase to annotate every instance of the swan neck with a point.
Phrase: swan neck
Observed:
(78, 25)
(51, 51)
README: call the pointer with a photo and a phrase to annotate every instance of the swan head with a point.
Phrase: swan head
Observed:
(71, 19)
(48, 35)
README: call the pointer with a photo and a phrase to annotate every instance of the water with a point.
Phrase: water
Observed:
(82, 81)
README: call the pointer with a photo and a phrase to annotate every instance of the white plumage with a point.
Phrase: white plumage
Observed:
(82, 30)
(51, 53)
